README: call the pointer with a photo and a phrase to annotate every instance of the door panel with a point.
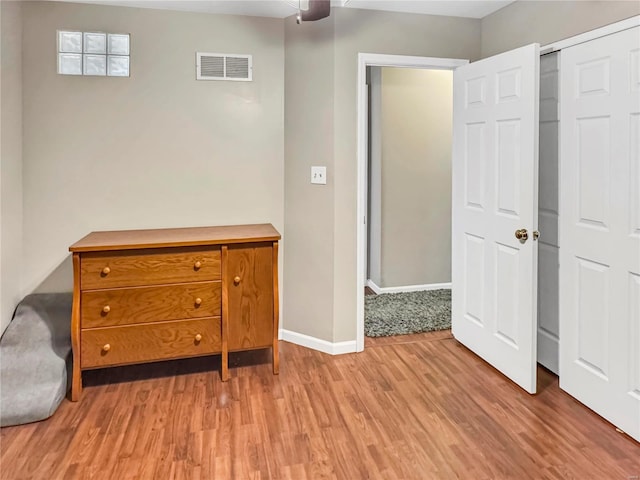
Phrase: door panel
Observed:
(495, 162)
(600, 254)
(250, 287)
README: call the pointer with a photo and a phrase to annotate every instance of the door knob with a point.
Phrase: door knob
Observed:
(522, 235)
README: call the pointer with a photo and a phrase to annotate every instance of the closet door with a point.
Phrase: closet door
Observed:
(495, 211)
(600, 227)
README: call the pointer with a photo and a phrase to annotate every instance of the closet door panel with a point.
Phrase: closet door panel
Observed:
(599, 227)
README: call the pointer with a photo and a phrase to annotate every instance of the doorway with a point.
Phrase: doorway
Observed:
(409, 179)
(365, 61)
(409, 200)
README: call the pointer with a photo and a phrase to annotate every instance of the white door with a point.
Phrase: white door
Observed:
(600, 227)
(495, 187)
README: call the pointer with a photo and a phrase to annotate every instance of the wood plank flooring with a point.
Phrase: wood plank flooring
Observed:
(413, 407)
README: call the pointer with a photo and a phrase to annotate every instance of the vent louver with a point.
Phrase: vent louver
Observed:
(223, 66)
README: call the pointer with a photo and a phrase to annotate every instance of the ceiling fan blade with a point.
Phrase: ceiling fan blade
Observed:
(317, 9)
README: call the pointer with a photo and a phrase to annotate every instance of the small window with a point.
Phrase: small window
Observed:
(93, 53)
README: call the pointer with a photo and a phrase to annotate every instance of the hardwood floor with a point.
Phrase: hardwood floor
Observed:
(413, 407)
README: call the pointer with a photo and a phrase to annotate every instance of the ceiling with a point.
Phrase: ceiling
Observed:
(285, 8)
(453, 8)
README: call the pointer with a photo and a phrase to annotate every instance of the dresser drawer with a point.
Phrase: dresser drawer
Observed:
(131, 268)
(108, 346)
(124, 306)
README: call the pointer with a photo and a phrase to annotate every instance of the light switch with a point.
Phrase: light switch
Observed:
(319, 175)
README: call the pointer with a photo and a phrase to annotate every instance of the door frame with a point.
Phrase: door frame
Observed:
(377, 60)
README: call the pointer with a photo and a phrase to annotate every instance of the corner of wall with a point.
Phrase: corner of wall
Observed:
(11, 140)
(308, 210)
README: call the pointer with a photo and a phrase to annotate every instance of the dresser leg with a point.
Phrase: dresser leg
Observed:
(276, 310)
(224, 258)
(224, 372)
(276, 358)
(76, 383)
(76, 376)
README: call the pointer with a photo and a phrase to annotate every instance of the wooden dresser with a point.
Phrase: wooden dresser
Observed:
(148, 295)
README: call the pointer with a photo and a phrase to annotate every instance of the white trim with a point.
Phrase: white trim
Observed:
(372, 285)
(407, 288)
(365, 60)
(408, 61)
(591, 35)
(335, 348)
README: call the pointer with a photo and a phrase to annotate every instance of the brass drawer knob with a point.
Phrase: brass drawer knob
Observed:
(106, 309)
(236, 280)
(198, 337)
(106, 271)
(106, 347)
(198, 301)
(197, 265)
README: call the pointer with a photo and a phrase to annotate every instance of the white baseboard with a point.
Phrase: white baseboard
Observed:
(374, 287)
(407, 288)
(332, 348)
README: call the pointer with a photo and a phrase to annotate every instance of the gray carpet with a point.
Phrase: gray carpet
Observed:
(408, 312)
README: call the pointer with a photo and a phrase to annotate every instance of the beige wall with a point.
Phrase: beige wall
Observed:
(308, 274)
(10, 159)
(524, 22)
(417, 108)
(159, 149)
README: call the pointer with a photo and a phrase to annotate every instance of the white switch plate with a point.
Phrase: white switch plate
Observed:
(319, 175)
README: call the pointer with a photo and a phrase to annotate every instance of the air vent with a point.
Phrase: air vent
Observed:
(223, 66)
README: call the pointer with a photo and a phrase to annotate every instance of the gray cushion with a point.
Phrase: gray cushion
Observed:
(35, 353)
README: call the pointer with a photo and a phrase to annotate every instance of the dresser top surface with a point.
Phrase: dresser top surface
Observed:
(175, 237)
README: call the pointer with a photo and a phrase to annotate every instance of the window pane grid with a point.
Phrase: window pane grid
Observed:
(93, 53)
